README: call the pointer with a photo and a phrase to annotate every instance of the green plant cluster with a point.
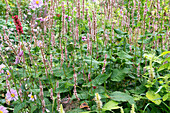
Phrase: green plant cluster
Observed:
(127, 70)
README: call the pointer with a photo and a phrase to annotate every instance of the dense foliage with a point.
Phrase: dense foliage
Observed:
(82, 56)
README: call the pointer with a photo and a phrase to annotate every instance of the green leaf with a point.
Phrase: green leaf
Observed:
(100, 79)
(35, 90)
(33, 107)
(149, 56)
(167, 59)
(62, 88)
(139, 89)
(165, 97)
(118, 31)
(58, 72)
(19, 107)
(67, 84)
(78, 110)
(110, 105)
(85, 112)
(155, 98)
(164, 53)
(95, 63)
(163, 67)
(148, 40)
(70, 47)
(124, 55)
(36, 49)
(120, 96)
(117, 75)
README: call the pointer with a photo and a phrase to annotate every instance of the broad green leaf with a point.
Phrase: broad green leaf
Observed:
(139, 89)
(124, 55)
(100, 79)
(121, 109)
(155, 98)
(117, 75)
(167, 59)
(70, 47)
(148, 40)
(95, 63)
(62, 88)
(120, 96)
(78, 110)
(67, 84)
(33, 107)
(83, 95)
(165, 97)
(85, 112)
(35, 90)
(163, 67)
(100, 89)
(149, 56)
(19, 107)
(164, 53)
(58, 72)
(110, 105)
(118, 31)
(126, 70)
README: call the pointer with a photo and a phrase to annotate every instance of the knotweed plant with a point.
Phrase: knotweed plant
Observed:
(98, 101)
(56, 55)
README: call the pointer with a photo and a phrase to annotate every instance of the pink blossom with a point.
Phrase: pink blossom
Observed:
(39, 43)
(16, 60)
(12, 95)
(32, 97)
(36, 4)
(1, 68)
(8, 73)
(84, 38)
(3, 109)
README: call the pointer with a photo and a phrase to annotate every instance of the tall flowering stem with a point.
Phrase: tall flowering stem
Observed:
(98, 102)
(42, 97)
(44, 60)
(75, 92)
(103, 69)
(58, 97)
(8, 10)
(18, 24)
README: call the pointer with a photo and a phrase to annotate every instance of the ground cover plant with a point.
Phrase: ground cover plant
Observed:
(84, 56)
